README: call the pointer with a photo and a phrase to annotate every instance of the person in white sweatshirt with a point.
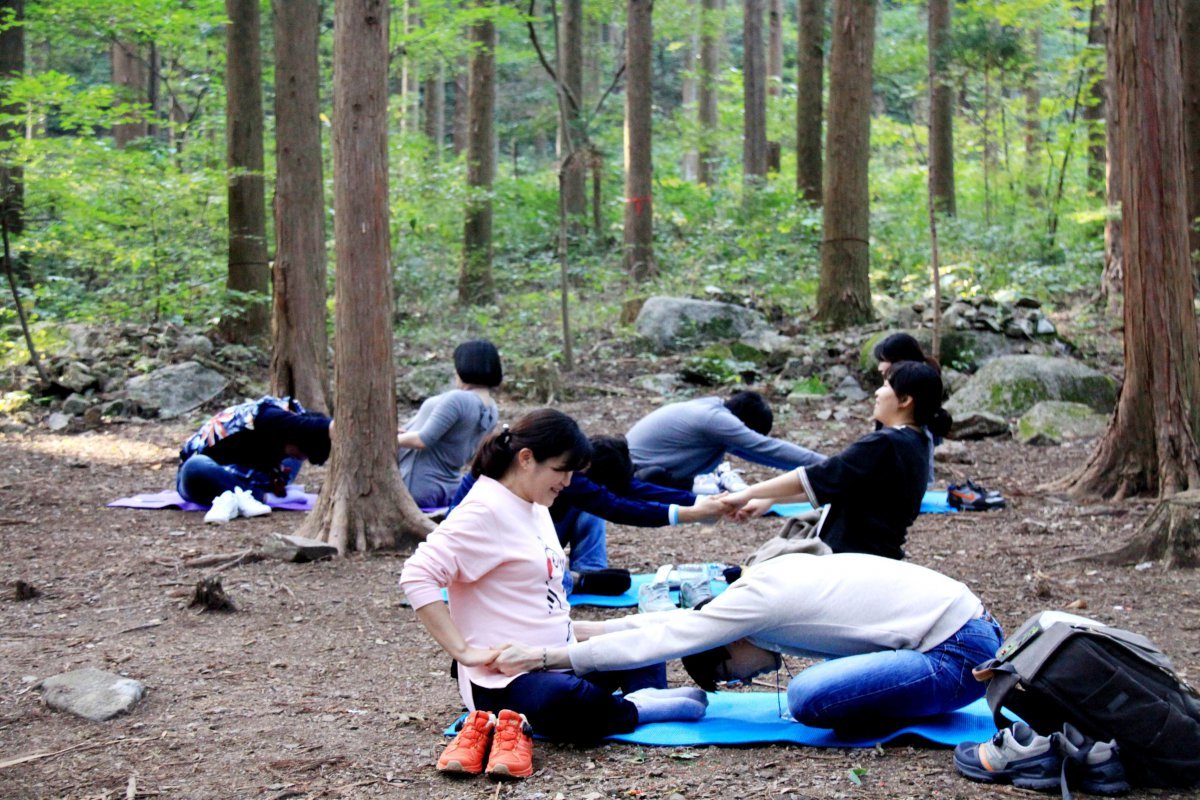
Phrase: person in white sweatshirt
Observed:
(900, 639)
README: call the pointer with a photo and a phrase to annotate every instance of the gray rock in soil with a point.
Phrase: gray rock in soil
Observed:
(175, 390)
(76, 404)
(951, 452)
(421, 383)
(1045, 327)
(114, 408)
(978, 425)
(659, 383)
(679, 323)
(1011, 385)
(194, 346)
(92, 693)
(58, 421)
(1053, 422)
(77, 377)
(849, 390)
(297, 549)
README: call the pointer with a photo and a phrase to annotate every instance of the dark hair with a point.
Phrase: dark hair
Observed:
(702, 667)
(477, 362)
(309, 432)
(752, 409)
(546, 432)
(923, 384)
(897, 347)
(611, 465)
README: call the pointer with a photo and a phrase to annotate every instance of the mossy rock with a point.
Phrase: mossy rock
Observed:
(1053, 422)
(1011, 385)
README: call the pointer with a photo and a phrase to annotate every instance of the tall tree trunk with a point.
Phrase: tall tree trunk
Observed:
(1150, 445)
(689, 167)
(709, 85)
(12, 65)
(475, 286)
(1096, 109)
(299, 360)
(461, 105)
(249, 271)
(639, 200)
(1033, 120)
(435, 109)
(570, 69)
(810, 83)
(129, 79)
(363, 503)
(1113, 280)
(754, 92)
(941, 110)
(774, 73)
(844, 292)
(1190, 58)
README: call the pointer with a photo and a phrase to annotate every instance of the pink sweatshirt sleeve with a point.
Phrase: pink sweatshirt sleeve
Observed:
(460, 549)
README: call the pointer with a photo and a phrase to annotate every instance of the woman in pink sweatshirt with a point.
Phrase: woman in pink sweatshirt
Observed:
(499, 559)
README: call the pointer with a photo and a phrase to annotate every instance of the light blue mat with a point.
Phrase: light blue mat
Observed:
(746, 718)
(931, 503)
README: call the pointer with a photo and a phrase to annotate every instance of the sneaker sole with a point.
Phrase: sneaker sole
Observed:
(1109, 789)
(456, 768)
(1020, 781)
(254, 513)
(502, 772)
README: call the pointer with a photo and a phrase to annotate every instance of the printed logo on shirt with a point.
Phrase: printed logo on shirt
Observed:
(556, 565)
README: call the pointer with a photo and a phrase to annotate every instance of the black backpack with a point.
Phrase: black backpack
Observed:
(1108, 683)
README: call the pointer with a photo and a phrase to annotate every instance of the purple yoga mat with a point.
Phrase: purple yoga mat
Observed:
(295, 500)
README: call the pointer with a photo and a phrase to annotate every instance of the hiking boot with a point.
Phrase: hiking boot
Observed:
(247, 506)
(973, 497)
(609, 582)
(729, 479)
(655, 596)
(224, 508)
(1016, 755)
(466, 753)
(512, 747)
(707, 483)
(1091, 766)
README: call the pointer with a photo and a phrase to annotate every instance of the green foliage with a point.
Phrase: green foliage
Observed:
(810, 385)
(717, 366)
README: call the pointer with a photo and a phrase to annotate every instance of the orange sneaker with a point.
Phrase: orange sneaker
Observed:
(512, 747)
(466, 753)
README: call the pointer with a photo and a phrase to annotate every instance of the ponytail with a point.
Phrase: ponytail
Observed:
(545, 432)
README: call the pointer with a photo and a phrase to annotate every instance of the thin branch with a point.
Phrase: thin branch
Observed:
(616, 79)
(12, 282)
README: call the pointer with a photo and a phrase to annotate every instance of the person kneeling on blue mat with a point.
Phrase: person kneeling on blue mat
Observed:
(899, 639)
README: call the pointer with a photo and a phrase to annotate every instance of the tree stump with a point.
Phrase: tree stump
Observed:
(210, 596)
(1171, 534)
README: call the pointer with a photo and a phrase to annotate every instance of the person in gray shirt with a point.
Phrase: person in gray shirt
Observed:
(439, 441)
(673, 444)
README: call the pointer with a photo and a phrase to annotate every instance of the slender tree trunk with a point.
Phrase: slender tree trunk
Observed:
(129, 79)
(844, 292)
(363, 503)
(810, 82)
(689, 167)
(570, 69)
(435, 109)
(475, 286)
(710, 82)
(12, 65)
(1033, 121)
(1150, 446)
(1190, 59)
(1113, 280)
(249, 271)
(941, 110)
(153, 70)
(774, 73)
(461, 105)
(754, 92)
(1095, 111)
(639, 261)
(299, 360)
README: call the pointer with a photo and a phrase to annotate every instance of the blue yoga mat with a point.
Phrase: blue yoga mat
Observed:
(627, 600)
(745, 718)
(931, 503)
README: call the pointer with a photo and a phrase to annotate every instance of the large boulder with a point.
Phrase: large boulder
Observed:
(1052, 422)
(422, 382)
(672, 324)
(1011, 385)
(175, 390)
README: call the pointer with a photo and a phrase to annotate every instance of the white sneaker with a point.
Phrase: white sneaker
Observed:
(655, 597)
(249, 507)
(224, 508)
(708, 483)
(729, 479)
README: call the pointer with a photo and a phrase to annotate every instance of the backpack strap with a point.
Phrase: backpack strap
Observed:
(1001, 677)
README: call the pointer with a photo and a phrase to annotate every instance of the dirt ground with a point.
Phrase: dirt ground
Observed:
(323, 685)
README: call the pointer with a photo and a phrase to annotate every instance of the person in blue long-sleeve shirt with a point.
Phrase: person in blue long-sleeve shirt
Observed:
(607, 491)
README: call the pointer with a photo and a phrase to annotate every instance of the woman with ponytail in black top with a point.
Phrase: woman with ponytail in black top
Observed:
(874, 487)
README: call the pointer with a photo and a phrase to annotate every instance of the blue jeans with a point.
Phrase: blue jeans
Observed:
(568, 708)
(587, 536)
(872, 688)
(200, 479)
